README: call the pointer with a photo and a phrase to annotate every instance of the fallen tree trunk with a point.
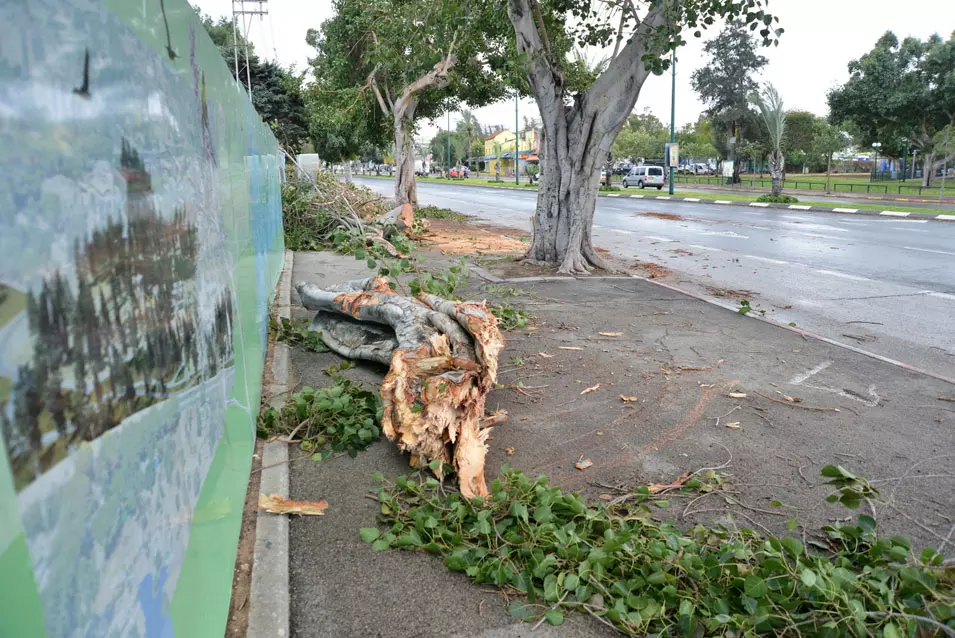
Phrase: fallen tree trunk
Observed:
(443, 362)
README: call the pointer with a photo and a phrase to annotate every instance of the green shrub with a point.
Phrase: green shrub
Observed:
(777, 199)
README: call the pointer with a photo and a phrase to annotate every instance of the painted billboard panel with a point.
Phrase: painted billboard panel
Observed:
(140, 241)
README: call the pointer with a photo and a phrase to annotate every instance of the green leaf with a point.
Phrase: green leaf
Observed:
(380, 545)
(359, 254)
(792, 524)
(755, 587)
(371, 263)
(369, 534)
(890, 630)
(808, 577)
(571, 581)
(551, 593)
(517, 609)
(554, 617)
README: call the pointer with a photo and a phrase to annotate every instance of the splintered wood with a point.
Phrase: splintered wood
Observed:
(443, 362)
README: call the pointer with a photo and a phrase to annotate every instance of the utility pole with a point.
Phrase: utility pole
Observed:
(239, 9)
(905, 156)
(672, 113)
(449, 143)
(517, 144)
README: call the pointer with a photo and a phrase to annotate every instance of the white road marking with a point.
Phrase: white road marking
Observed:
(893, 213)
(907, 221)
(845, 210)
(636, 196)
(759, 204)
(655, 238)
(613, 195)
(800, 207)
(841, 274)
(799, 378)
(929, 250)
(691, 199)
(725, 233)
(942, 295)
(662, 197)
(722, 201)
(621, 230)
(948, 218)
(699, 247)
(767, 259)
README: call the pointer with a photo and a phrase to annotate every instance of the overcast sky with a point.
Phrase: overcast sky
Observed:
(821, 37)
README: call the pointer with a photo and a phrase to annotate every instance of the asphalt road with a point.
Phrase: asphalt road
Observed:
(881, 284)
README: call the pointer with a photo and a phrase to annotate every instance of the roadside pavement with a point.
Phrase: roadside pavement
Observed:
(808, 403)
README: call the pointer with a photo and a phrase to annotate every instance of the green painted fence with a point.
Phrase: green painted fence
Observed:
(140, 242)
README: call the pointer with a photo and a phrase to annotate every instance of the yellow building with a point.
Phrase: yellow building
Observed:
(503, 142)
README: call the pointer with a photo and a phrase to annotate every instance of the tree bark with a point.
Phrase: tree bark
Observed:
(406, 189)
(576, 138)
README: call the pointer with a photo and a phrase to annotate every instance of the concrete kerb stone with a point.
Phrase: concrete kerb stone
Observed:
(269, 596)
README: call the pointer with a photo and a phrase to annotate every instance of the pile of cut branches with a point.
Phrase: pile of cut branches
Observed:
(443, 361)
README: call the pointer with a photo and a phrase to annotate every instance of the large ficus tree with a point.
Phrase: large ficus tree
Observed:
(410, 60)
(901, 90)
(581, 119)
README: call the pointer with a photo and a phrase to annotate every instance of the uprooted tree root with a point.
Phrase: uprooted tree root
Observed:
(443, 362)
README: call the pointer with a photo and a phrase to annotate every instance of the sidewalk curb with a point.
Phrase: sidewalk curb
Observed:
(841, 210)
(269, 596)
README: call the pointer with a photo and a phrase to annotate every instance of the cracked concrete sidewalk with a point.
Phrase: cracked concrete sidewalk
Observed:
(681, 357)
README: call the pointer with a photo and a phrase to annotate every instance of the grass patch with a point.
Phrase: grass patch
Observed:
(646, 577)
(342, 418)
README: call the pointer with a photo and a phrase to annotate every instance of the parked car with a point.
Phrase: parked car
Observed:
(642, 176)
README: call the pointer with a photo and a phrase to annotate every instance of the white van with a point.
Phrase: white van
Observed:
(641, 176)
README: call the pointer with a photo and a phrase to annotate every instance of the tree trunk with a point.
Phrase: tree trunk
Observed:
(828, 167)
(443, 362)
(928, 168)
(576, 139)
(777, 165)
(406, 189)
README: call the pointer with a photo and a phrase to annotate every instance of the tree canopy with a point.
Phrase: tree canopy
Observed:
(900, 90)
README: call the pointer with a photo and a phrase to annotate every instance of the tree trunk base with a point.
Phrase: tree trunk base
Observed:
(443, 362)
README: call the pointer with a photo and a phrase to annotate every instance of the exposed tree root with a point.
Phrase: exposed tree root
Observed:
(443, 362)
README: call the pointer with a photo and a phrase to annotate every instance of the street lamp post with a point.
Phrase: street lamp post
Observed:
(672, 112)
(517, 144)
(449, 144)
(875, 164)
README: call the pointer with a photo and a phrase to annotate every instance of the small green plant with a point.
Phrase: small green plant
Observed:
(516, 361)
(609, 189)
(343, 417)
(744, 307)
(647, 577)
(296, 334)
(508, 317)
(777, 199)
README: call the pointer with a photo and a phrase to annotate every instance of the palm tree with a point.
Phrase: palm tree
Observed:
(770, 106)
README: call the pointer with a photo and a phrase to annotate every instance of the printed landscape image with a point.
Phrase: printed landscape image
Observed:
(114, 336)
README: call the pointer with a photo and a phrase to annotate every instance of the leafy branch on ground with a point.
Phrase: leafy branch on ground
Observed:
(343, 417)
(312, 211)
(509, 317)
(643, 576)
(296, 334)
